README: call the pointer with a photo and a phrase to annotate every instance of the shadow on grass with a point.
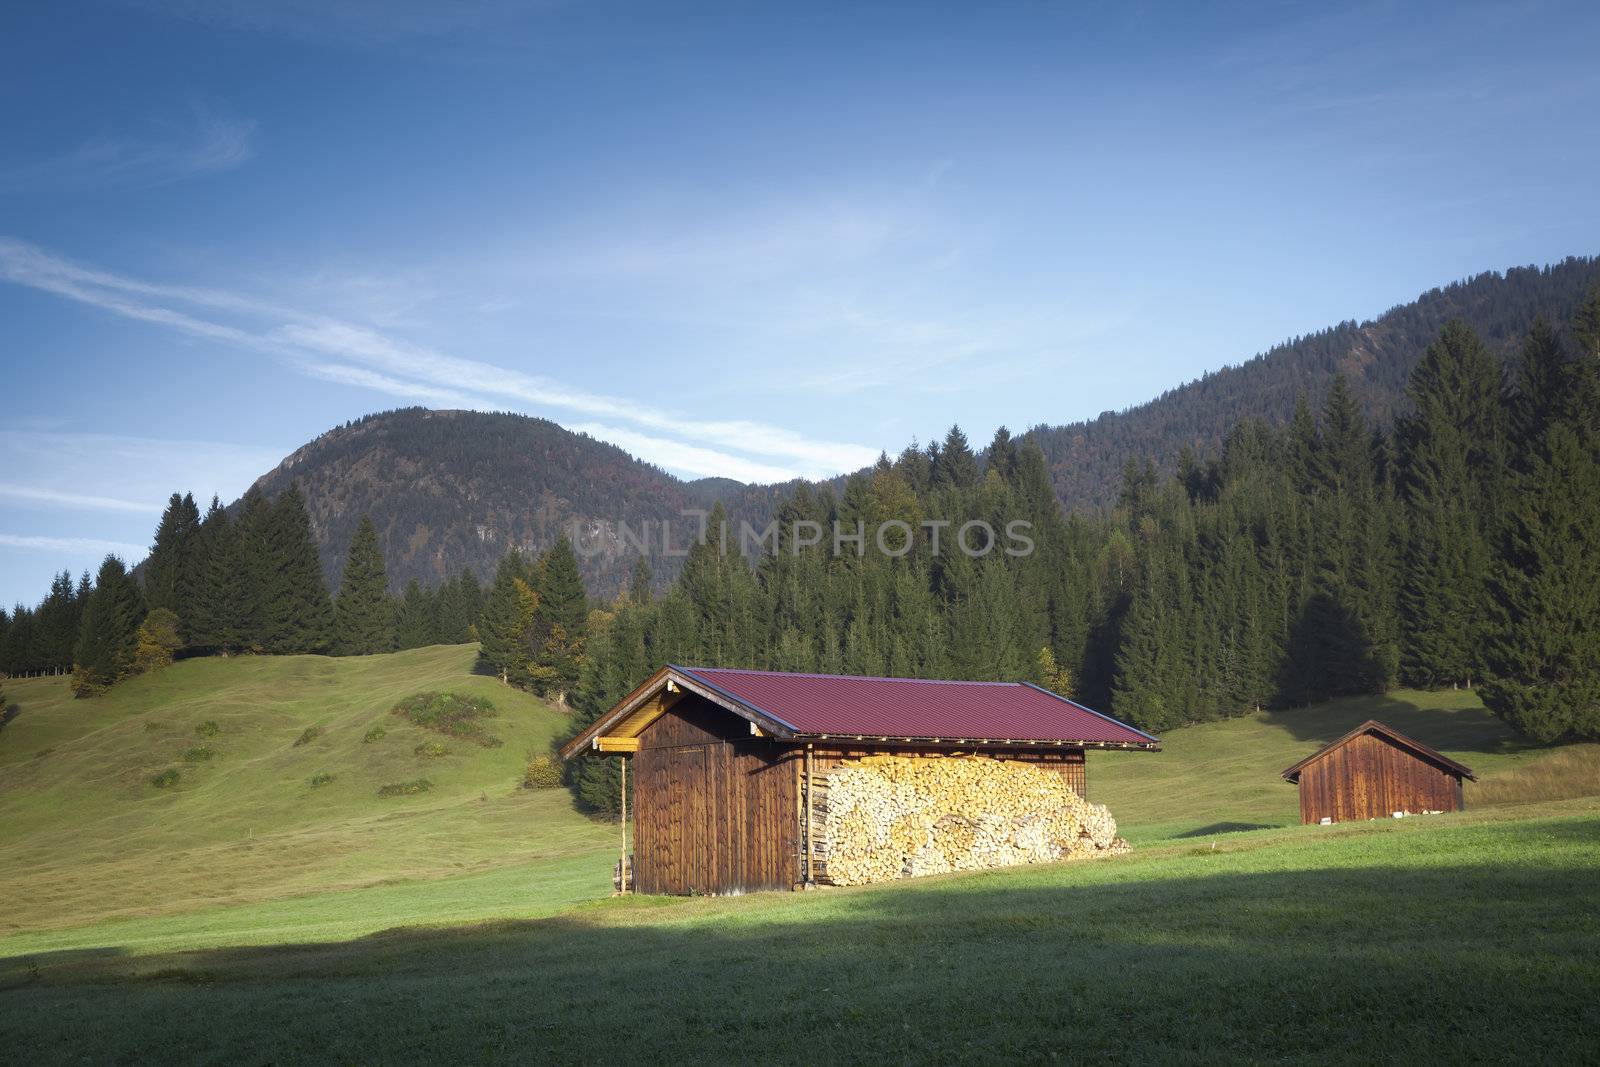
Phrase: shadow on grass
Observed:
(1186, 958)
(1470, 729)
(1226, 828)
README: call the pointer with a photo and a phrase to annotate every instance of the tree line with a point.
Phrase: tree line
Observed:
(228, 585)
(1306, 561)
(1319, 558)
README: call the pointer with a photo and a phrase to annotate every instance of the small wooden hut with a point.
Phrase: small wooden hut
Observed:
(723, 759)
(1373, 772)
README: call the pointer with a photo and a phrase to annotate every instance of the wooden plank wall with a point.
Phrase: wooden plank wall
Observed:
(1371, 778)
(714, 812)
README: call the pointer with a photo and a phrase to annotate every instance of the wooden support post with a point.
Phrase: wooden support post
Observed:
(810, 770)
(625, 880)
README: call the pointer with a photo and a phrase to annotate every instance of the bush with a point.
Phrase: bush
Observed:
(405, 789)
(157, 639)
(320, 779)
(198, 754)
(308, 735)
(377, 733)
(207, 729)
(543, 772)
(431, 750)
(451, 714)
(166, 778)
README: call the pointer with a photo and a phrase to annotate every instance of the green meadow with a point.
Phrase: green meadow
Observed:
(242, 913)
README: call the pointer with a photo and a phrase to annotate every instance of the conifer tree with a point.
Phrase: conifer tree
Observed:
(1451, 460)
(171, 556)
(955, 467)
(416, 620)
(640, 580)
(296, 615)
(223, 592)
(363, 617)
(257, 563)
(1543, 648)
(509, 614)
(562, 599)
(108, 636)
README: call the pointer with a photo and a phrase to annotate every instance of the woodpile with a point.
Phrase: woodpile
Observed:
(886, 817)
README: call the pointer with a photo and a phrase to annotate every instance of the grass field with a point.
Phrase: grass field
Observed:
(1462, 938)
(244, 914)
(85, 837)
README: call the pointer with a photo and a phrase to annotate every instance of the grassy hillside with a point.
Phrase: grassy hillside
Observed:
(1437, 939)
(1224, 776)
(86, 836)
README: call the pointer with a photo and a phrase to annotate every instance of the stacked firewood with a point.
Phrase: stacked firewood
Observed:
(886, 817)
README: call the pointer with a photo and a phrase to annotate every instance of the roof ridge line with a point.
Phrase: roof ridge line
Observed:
(853, 677)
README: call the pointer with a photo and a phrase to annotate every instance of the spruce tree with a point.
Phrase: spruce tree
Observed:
(1544, 644)
(1452, 462)
(223, 619)
(108, 635)
(954, 466)
(509, 614)
(171, 557)
(296, 614)
(257, 565)
(562, 598)
(363, 618)
(415, 621)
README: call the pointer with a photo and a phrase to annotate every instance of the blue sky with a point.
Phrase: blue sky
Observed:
(747, 240)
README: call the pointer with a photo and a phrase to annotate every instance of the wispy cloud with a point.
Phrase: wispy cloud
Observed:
(74, 500)
(349, 21)
(110, 472)
(374, 359)
(677, 454)
(207, 142)
(76, 546)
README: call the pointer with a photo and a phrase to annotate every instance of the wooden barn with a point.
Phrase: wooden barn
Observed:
(721, 759)
(1372, 772)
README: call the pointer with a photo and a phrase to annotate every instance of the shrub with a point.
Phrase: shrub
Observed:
(207, 729)
(451, 714)
(198, 754)
(431, 750)
(543, 772)
(405, 789)
(308, 735)
(166, 778)
(157, 640)
(321, 778)
(377, 733)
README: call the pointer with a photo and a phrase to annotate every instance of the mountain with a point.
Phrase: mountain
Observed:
(454, 489)
(449, 490)
(1086, 458)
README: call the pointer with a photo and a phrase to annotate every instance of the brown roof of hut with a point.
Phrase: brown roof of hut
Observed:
(803, 706)
(1437, 758)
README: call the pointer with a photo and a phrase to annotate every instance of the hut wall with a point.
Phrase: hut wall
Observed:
(1371, 778)
(714, 811)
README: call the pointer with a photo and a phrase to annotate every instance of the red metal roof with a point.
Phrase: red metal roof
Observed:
(844, 705)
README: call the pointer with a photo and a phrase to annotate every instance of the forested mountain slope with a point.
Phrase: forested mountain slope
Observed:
(450, 490)
(454, 490)
(1086, 458)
